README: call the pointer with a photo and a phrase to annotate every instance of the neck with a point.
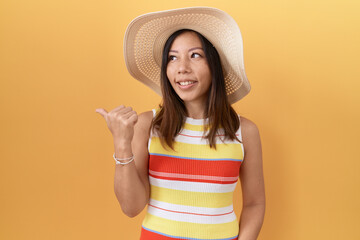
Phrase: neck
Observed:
(196, 111)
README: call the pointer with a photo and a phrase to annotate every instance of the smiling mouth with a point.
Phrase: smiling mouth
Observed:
(185, 83)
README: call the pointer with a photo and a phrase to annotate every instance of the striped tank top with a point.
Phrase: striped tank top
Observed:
(192, 186)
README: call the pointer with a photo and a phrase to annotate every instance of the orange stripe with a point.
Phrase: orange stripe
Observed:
(224, 168)
(191, 213)
(193, 180)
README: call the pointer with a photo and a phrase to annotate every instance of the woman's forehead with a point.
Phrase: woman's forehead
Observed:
(188, 40)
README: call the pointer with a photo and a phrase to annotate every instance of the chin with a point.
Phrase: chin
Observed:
(190, 99)
(186, 98)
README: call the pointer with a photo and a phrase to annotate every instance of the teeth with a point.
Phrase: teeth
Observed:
(185, 83)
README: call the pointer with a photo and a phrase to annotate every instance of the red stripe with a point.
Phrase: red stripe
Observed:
(202, 136)
(193, 180)
(148, 235)
(224, 168)
(190, 213)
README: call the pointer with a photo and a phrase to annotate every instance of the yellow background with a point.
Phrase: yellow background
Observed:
(60, 60)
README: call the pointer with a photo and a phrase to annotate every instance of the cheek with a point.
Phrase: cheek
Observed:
(168, 73)
(207, 75)
(170, 76)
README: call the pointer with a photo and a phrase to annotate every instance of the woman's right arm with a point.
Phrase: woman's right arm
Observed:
(130, 134)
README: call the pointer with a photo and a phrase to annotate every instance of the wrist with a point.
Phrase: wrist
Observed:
(122, 144)
(122, 150)
(123, 161)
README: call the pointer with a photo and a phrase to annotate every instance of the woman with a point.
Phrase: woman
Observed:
(183, 159)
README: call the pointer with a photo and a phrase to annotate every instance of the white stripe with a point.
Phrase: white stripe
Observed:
(191, 218)
(199, 133)
(183, 138)
(193, 121)
(191, 209)
(190, 176)
(196, 137)
(192, 133)
(193, 186)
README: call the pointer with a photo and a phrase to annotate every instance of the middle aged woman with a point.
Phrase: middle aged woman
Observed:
(183, 159)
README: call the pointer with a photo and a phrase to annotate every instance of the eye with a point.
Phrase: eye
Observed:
(172, 58)
(195, 55)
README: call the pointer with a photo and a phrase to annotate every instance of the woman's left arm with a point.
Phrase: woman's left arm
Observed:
(252, 183)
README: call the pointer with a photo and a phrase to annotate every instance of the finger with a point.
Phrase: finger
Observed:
(128, 114)
(102, 111)
(118, 108)
(116, 111)
(126, 110)
(133, 118)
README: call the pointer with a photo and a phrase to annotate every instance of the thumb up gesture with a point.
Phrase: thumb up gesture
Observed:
(120, 121)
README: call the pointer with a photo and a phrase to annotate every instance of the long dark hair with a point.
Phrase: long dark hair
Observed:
(171, 117)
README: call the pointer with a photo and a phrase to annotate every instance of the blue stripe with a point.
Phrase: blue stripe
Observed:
(205, 159)
(166, 235)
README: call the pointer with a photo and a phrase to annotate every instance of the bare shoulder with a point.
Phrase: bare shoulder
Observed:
(144, 120)
(248, 127)
(250, 134)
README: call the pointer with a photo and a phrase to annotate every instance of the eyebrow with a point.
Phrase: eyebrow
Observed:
(191, 49)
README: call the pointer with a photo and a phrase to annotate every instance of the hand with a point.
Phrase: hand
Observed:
(120, 121)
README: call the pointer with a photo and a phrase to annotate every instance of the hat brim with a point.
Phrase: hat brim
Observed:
(146, 35)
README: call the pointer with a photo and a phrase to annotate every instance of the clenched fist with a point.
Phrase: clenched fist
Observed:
(120, 121)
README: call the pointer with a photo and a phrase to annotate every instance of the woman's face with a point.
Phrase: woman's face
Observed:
(188, 70)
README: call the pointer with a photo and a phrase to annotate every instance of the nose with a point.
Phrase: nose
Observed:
(184, 66)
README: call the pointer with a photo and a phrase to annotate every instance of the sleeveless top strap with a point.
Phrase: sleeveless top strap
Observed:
(240, 137)
(151, 130)
(154, 112)
(239, 130)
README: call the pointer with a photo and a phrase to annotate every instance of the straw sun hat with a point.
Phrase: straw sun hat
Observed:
(146, 35)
